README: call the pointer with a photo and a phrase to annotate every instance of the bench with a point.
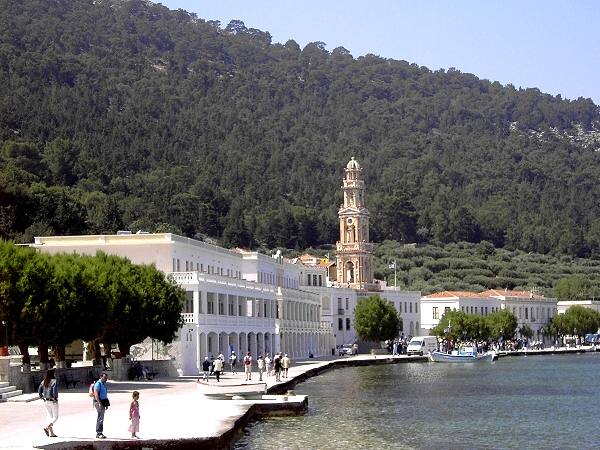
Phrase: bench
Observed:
(69, 379)
(139, 372)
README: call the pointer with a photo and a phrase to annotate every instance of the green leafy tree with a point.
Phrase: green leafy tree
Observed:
(16, 299)
(376, 319)
(454, 326)
(502, 324)
(60, 156)
(526, 331)
(582, 320)
(561, 325)
(141, 303)
(74, 305)
(53, 300)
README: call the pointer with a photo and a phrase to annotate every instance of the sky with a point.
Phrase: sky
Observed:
(548, 44)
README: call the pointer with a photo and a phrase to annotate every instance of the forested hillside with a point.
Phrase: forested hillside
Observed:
(125, 115)
(477, 267)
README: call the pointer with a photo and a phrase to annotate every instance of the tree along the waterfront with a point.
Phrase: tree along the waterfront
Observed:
(50, 301)
(459, 326)
(376, 319)
(576, 321)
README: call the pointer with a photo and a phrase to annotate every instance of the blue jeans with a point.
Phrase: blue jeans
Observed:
(100, 420)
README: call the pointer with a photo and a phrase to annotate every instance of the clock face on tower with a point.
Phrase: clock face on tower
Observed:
(349, 221)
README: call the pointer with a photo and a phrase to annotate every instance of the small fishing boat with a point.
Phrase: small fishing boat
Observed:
(462, 355)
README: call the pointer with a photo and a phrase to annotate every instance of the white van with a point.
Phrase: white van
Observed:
(421, 345)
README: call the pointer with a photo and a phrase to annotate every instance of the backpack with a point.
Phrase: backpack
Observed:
(91, 389)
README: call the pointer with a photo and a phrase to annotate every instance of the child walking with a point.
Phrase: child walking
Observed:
(134, 415)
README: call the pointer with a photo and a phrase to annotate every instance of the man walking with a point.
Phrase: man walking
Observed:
(261, 367)
(277, 366)
(233, 361)
(205, 369)
(248, 366)
(285, 365)
(218, 368)
(101, 403)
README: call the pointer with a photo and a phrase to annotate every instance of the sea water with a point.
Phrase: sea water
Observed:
(534, 402)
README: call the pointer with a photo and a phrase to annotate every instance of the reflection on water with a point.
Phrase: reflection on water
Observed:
(545, 402)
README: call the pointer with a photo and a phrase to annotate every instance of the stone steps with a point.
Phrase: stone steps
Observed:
(7, 388)
(24, 398)
(12, 393)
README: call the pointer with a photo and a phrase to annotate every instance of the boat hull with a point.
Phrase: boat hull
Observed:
(231, 390)
(449, 358)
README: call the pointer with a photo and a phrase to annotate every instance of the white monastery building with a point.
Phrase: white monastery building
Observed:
(564, 305)
(236, 300)
(240, 301)
(529, 308)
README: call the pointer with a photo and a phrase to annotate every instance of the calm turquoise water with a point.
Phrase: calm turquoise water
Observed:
(541, 402)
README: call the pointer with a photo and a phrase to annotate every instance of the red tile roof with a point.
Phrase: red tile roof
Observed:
(489, 293)
(453, 294)
(510, 293)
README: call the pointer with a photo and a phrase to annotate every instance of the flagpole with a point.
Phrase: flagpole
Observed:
(394, 274)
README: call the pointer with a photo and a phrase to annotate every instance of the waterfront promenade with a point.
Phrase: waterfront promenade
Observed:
(173, 413)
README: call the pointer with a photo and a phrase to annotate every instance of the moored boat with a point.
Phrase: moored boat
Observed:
(463, 355)
(231, 390)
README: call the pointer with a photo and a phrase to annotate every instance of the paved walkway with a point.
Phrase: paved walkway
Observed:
(169, 408)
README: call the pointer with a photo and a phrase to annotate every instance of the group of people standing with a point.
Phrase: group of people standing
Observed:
(277, 366)
(48, 392)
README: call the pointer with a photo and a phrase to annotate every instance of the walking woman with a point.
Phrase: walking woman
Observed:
(48, 392)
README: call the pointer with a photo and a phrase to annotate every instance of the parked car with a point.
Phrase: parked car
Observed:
(346, 350)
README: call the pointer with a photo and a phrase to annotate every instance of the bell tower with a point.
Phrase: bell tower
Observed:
(354, 252)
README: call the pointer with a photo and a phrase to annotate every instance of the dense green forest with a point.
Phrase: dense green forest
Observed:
(126, 115)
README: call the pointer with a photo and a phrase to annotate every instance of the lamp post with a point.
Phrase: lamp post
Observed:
(392, 265)
(447, 332)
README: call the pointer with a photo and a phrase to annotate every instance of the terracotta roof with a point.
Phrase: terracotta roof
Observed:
(320, 263)
(453, 294)
(315, 261)
(509, 293)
